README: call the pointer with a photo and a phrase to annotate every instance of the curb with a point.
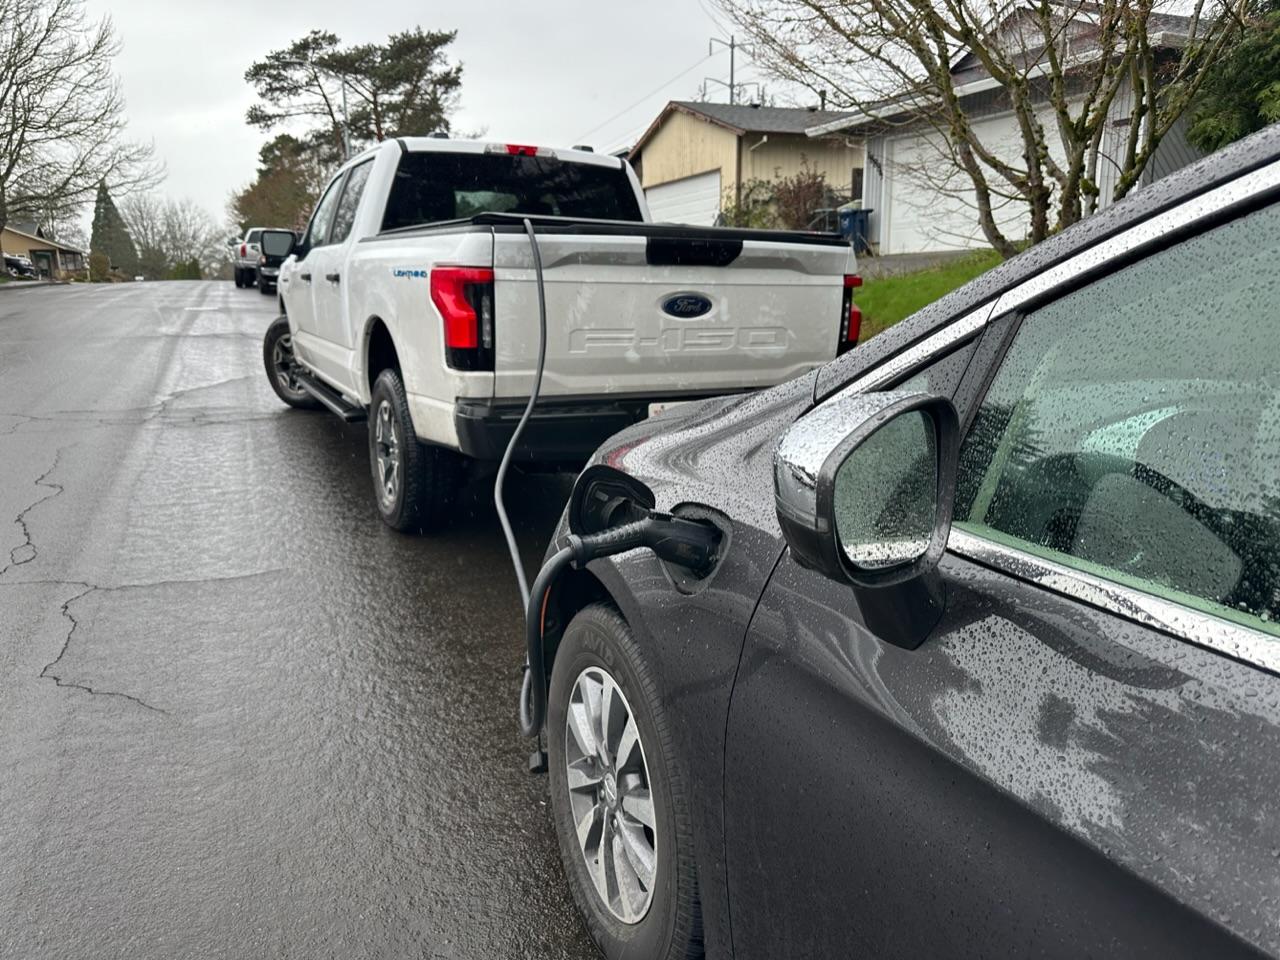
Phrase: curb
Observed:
(28, 284)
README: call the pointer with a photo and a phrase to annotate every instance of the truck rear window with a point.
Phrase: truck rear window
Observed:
(431, 187)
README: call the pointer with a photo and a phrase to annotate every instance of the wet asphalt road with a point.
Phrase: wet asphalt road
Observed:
(238, 716)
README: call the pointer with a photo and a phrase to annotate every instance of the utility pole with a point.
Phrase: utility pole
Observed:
(732, 44)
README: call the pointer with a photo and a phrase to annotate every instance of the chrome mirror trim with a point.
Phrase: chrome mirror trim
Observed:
(805, 463)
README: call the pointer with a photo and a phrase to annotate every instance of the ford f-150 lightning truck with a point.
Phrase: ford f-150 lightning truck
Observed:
(411, 301)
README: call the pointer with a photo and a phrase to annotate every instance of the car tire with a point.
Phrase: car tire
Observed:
(413, 482)
(265, 288)
(277, 357)
(598, 647)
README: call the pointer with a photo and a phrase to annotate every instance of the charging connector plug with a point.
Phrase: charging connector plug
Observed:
(687, 543)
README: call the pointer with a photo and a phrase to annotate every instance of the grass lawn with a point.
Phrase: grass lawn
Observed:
(884, 302)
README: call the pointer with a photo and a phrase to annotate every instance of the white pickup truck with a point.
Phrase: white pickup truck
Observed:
(244, 256)
(411, 301)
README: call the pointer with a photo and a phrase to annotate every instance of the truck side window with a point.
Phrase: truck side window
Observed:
(345, 216)
(318, 229)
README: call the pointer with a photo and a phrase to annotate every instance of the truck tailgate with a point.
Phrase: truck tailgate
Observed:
(649, 312)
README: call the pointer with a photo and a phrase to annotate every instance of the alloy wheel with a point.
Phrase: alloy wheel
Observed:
(609, 795)
(386, 442)
(282, 364)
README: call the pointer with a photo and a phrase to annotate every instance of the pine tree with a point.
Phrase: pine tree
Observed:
(111, 236)
(1241, 93)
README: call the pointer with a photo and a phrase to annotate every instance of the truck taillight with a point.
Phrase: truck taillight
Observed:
(464, 297)
(850, 316)
(244, 251)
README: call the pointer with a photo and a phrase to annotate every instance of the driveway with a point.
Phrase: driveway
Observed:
(240, 717)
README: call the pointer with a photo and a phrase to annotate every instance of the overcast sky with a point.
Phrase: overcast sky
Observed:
(557, 72)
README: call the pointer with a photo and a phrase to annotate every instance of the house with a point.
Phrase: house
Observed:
(695, 157)
(920, 200)
(50, 258)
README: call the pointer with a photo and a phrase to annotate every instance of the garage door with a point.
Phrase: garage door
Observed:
(930, 202)
(693, 200)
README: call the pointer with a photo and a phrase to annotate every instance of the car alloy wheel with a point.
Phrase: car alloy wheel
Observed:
(386, 442)
(609, 796)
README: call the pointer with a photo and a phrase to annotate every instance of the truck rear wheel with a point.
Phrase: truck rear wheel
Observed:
(277, 356)
(413, 483)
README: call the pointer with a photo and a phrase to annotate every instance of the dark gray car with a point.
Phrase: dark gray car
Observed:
(988, 662)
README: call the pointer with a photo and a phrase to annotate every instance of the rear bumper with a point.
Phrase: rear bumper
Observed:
(560, 430)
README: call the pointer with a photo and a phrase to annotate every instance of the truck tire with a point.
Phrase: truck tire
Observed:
(413, 482)
(640, 824)
(277, 357)
(239, 278)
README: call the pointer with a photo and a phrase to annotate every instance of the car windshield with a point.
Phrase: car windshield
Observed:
(431, 187)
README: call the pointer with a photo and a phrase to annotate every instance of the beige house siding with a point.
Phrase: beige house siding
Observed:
(782, 155)
(685, 146)
(62, 261)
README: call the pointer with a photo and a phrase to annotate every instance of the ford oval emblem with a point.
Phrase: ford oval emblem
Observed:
(686, 306)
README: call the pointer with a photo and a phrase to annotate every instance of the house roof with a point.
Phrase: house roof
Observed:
(743, 118)
(40, 241)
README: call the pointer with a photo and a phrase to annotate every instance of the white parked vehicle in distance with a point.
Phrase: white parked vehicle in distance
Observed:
(411, 300)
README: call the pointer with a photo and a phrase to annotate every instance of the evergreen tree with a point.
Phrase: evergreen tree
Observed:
(110, 235)
(1242, 91)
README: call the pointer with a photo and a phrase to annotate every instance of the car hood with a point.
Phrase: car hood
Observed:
(718, 452)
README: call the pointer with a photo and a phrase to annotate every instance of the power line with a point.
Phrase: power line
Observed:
(683, 73)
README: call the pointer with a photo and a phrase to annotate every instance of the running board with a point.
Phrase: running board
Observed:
(332, 400)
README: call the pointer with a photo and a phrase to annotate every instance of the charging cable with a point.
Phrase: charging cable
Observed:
(524, 419)
(686, 542)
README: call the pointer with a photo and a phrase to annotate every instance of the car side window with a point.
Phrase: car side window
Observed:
(318, 229)
(345, 215)
(1132, 430)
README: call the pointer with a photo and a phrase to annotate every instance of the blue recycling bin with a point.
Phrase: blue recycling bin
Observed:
(855, 225)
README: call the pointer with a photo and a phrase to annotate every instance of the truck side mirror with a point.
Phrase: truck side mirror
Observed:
(864, 487)
(277, 243)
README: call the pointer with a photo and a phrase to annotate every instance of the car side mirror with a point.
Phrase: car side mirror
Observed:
(864, 487)
(277, 243)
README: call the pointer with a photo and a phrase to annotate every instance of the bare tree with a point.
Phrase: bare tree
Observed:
(61, 113)
(1071, 72)
(171, 233)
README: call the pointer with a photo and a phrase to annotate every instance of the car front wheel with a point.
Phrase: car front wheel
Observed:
(617, 801)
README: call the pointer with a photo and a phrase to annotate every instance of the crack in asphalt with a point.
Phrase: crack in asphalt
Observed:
(66, 645)
(22, 420)
(89, 588)
(27, 548)
(124, 416)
